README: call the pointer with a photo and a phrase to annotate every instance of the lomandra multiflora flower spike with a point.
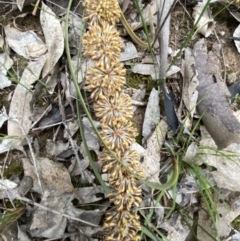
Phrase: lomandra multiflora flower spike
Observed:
(98, 11)
(102, 44)
(113, 109)
(102, 80)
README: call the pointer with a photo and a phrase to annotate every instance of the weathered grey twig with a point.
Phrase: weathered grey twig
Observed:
(163, 38)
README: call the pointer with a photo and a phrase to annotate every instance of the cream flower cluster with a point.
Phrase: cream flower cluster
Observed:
(113, 109)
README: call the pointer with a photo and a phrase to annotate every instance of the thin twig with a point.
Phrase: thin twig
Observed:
(159, 28)
(32, 154)
(35, 8)
(52, 125)
(56, 212)
(67, 129)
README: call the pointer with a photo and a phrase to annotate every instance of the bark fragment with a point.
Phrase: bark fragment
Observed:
(212, 105)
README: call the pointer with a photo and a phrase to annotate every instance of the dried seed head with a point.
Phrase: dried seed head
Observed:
(102, 44)
(131, 159)
(121, 171)
(125, 184)
(118, 136)
(122, 225)
(105, 79)
(113, 169)
(125, 200)
(128, 158)
(97, 93)
(111, 163)
(111, 109)
(102, 10)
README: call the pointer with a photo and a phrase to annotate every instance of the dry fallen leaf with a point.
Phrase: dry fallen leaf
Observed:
(54, 183)
(205, 221)
(26, 44)
(80, 68)
(52, 78)
(22, 235)
(92, 194)
(176, 229)
(3, 116)
(150, 69)
(91, 138)
(227, 164)
(73, 128)
(53, 36)
(129, 52)
(5, 64)
(228, 208)
(236, 34)
(152, 115)
(235, 237)
(48, 224)
(151, 162)
(205, 25)
(19, 114)
(190, 83)
(75, 29)
(76, 168)
(54, 179)
(6, 144)
(6, 184)
(54, 148)
(191, 153)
